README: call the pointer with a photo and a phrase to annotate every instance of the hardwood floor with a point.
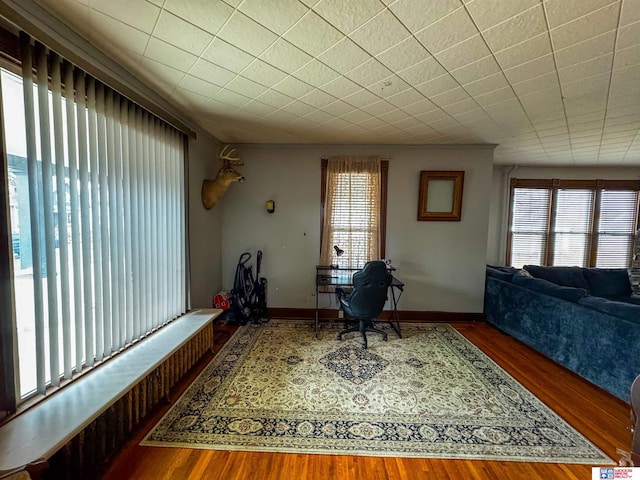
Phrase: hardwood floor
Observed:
(601, 417)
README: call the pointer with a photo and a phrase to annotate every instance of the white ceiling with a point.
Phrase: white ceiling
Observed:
(553, 82)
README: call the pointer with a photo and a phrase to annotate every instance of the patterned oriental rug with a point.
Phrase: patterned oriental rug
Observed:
(430, 394)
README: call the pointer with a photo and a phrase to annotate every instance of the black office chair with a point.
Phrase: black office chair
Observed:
(366, 300)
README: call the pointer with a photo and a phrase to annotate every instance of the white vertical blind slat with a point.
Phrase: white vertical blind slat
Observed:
(74, 206)
(47, 207)
(96, 237)
(112, 214)
(85, 219)
(134, 149)
(34, 210)
(119, 228)
(61, 194)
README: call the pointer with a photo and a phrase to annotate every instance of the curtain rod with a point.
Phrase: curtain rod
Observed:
(386, 157)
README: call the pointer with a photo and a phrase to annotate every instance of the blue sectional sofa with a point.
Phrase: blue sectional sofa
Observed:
(583, 318)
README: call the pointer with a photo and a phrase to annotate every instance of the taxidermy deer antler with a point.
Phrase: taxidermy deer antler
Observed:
(213, 190)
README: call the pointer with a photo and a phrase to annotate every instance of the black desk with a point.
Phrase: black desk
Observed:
(327, 276)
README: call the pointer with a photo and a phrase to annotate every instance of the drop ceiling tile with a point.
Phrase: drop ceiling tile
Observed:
(293, 87)
(489, 13)
(155, 69)
(284, 56)
(627, 57)
(274, 98)
(380, 33)
(214, 107)
(319, 116)
(471, 116)
(476, 71)
(210, 15)
(277, 15)
(596, 84)
(188, 99)
(344, 56)
(595, 102)
(280, 117)
(525, 71)
(316, 73)
(231, 98)
(596, 66)
(338, 108)
(140, 15)
(361, 98)
(313, 34)
(415, 14)
(318, 98)
(255, 109)
(181, 34)
(560, 12)
(246, 34)
(299, 108)
(487, 84)
(466, 52)
(543, 82)
(395, 117)
(403, 55)
(369, 73)
(347, 16)
(227, 56)
(199, 86)
(422, 72)
(420, 107)
(526, 51)
(341, 87)
(516, 30)
(389, 86)
(629, 36)
(408, 123)
(497, 96)
(166, 53)
(447, 32)
(372, 123)
(263, 73)
(357, 116)
(116, 34)
(246, 87)
(450, 97)
(437, 86)
(630, 13)
(463, 106)
(212, 73)
(583, 51)
(406, 97)
(592, 25)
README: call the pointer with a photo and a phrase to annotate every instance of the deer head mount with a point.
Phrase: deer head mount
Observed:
(213, 190)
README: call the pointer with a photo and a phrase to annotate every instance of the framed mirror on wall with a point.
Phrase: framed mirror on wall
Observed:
(440, 196)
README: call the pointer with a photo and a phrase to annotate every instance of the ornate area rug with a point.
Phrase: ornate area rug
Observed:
(432, 393)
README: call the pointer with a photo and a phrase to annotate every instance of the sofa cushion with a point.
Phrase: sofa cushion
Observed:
(607, 282)
(627, 311)
(622, 298)
(541, 285)
(565, 276)
(502, 273)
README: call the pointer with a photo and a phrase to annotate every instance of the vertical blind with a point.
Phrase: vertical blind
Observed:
(567, 223)
(106, 208)
(352, 211)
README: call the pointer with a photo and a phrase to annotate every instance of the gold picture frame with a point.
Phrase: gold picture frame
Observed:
(440, 197)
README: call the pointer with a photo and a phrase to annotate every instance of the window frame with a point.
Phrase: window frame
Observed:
(384, 176)
(553, 186)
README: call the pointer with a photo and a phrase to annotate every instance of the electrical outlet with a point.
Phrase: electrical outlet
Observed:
(340, 313)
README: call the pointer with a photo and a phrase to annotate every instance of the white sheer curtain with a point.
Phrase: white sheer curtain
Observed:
(106, 203)
(351, 211)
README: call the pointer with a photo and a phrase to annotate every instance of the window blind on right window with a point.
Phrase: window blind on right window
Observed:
(572, 222)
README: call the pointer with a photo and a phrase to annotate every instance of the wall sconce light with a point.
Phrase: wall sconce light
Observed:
(270, 205)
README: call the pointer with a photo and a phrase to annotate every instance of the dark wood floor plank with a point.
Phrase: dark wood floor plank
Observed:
(601, 417)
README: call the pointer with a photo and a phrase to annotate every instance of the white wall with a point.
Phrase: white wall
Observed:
(204, 225)
(498, 220)
(441, 263)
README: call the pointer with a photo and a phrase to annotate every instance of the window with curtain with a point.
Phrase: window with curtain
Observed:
(96, 191)
(353, 210)
(572, 222)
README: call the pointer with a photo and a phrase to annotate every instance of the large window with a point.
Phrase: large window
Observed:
(97, 221)
(568, 223)
(353, 210)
